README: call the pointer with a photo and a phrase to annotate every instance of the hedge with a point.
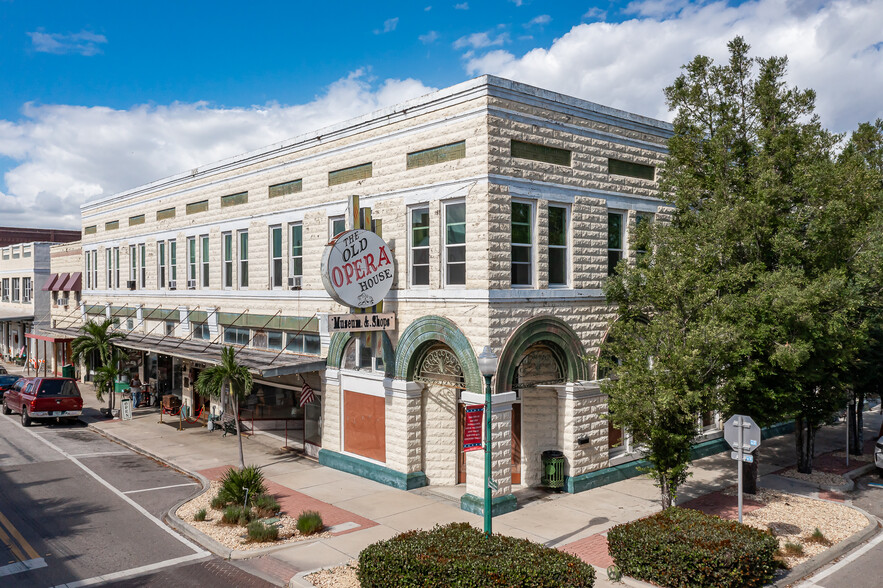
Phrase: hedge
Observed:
(684, 548)
(459, 555)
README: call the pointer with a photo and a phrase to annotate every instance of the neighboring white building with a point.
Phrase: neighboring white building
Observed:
(505, 206)
(24, 305)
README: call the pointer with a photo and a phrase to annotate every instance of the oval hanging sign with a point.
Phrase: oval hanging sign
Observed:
(357, 268)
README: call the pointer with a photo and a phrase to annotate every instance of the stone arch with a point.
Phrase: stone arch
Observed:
(434, 329)
(339, 342)
(543, 329)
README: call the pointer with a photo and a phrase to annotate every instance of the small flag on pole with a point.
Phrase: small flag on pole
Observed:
(306, 394)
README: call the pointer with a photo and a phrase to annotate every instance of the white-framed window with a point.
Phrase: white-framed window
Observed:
(243, 259)
(296, 263)
(419, 246)
(455, 243)
(16, 289)
(205, 264)
(26, 290)
(336, 225)
(108, 255)
(615, 229)
(268, 340)
(558, 252)
(116, 267)
(227, 243)
(4, 294)
(173, 262)
(200, 331)
(276, 257)
(88, 274)
(170, 327)
(191, 261)
(522, 243)
(236, 336)
(142, 248)
(161, 258)
(303, 343)
(95, 268)
(133, 263)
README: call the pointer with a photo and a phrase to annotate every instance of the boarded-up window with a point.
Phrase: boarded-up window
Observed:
(350, 174)
(136, 220)
(112, 225)
(435, 155)
(633, 170)
(165, 213)
(233, 199)
(544, 153)
(364, 427)
(291, 187)
(194, 207)
(90, 230)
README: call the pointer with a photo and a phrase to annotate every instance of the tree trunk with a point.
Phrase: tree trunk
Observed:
(749, 474)
(238, 432)
(665, 491)
(805, 435)
(856, 424)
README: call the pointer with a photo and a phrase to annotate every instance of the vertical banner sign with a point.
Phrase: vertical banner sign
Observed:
(472, 428)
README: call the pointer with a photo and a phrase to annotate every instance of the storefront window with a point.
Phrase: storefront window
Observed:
(236, 336)
(303, 343)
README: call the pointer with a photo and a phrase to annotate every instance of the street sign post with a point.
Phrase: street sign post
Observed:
(744, 436)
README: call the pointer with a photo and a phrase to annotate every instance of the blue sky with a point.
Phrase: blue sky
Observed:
(98, 97)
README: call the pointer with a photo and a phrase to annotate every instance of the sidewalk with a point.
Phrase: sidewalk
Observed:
(364, 511)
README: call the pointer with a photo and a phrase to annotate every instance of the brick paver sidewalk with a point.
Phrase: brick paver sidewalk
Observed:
(592, 550)
(719, 504)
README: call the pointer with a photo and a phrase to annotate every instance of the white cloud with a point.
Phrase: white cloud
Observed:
(428, 38)
(481, 41)
(389, 25)
(833, 47)
(463, 6)
(64, 155)
(542, 19)
(595, 13)
(84, 42)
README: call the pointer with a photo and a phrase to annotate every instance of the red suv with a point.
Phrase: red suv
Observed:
(44, 398)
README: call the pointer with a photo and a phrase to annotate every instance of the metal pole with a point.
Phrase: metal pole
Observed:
(741, 435)
(487, 456)
(848, 404)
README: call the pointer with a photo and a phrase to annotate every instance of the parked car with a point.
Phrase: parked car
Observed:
(44, 398)
(6, 382)
(3, 370)
(878, 455)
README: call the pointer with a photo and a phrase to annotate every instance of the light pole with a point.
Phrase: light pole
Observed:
(487, 365)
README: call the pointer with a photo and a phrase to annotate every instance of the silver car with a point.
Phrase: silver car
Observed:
(878, 454)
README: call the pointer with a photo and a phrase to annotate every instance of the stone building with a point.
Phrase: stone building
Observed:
(506, 206)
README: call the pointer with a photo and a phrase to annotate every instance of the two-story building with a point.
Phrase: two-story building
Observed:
(505, 206)
(24, 305)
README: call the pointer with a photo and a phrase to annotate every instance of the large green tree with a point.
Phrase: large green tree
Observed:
(230, 382)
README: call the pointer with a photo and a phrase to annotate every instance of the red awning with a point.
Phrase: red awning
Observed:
(74, 283)
(52, 279)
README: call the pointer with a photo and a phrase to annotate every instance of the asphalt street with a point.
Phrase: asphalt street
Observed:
(77, 509)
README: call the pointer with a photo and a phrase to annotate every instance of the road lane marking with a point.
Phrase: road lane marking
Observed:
(160, 488)
(814, 581)
(133, 571)
(10, 544)
(197, 549)
(22, 566)
(100, 453)
(32, 553)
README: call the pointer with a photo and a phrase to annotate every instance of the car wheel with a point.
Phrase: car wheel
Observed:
(6, 408)
(25, 419)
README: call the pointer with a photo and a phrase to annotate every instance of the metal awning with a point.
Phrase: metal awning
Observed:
(73, 283)
(266, 364)
(51, 281)
(11, 315)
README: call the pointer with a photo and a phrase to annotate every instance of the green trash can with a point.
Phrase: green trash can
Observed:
(67, 371)
(553, 469)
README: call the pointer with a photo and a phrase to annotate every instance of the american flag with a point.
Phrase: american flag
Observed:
(306, 394)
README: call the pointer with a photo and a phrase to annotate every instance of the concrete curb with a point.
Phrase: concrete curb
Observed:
(837, 551)
(850, 476)
(300, 579)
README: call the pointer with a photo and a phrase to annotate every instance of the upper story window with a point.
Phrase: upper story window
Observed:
(88, 271)
(173, 263)
(4, 292)
(276, 257)
(234, 199)
(142, 255)
(360, 356)
(559, 230)
(191, 262)
(227, 243)
(350, 174)
(435, 155)
(133, 263)
(291, 187)
(303, 343)
(336, 225)
(16, 289)
(268, 340)
(614, 240)
(161, 257)
(205, 255)
(522, 244)
(27, 290)
(296, 265)
(455, 244)
(420, 246)
(537, 152)
(236, 336)
(116, 267)
(108, 254)
(95, 268)
(243, 259)
(630, 169)
(200, 331)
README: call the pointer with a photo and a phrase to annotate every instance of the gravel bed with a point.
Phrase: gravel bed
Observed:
(233, 536)
(340, 577)
(817, 477)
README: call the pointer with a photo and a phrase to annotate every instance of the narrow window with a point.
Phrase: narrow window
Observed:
(16, 289)
(455, 244)
(558, 231)
(26, 289)
(108, 255)
(420, 246)
(173, 263)
(205, 265)
(522, 244)
(143, 255)
(133, 263)
(116, 267)
(337, 225)
(161, 255)
(243, 259)
(276, 256)
(88, 274)
(297, 250)
(614, 241)
(191, 262)
(95, 268)
(228, 260)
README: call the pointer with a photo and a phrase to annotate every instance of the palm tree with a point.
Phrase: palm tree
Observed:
(97, 339)
(105, 378)
(230, 377)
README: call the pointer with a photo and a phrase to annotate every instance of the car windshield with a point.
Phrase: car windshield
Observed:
(8, 380)
(58, 388)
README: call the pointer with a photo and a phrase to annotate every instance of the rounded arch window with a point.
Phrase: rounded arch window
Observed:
(439, 365)
(364, 356)
(539, 365)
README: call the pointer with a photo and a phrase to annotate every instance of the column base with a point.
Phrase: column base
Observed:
(499, 505)
(372, 471)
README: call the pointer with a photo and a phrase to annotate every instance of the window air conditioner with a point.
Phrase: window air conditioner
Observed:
(130, 284)
(172, 284)
(191, 284)
(294, 283)
(62, 302)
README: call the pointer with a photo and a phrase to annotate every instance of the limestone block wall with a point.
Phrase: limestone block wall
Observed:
(403, 433)
(582, 412)
(540, 427)
(331, 411)
(439, 443)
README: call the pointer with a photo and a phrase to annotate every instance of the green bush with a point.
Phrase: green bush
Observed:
(265, 506)
(459, 555)
(200, 515)
(237, 515)
(218, 503)
(686, 548)
(259, 532)
(235, 482)
(309, 522)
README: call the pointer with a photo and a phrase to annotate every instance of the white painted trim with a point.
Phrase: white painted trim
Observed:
(161, 488)
(499, 402)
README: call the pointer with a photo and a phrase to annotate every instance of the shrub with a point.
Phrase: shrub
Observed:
(683, 547)
(218, 503)
(309, 522)
(200, 515)
(259, 532)
(792, 549)
(237, 515)
(235, 482)
(265, 506)
(818, 537)
(460, 555)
